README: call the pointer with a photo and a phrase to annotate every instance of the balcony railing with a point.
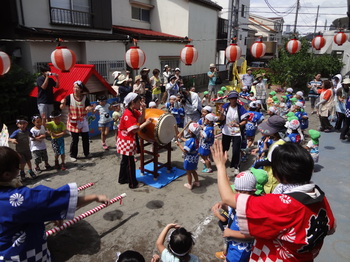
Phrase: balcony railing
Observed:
(70, 17)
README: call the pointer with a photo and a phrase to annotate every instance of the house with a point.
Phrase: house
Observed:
(270, 29)
(100, 32)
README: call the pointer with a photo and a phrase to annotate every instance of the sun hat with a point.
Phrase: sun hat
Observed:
(115, 74)
(244, 88)
(223, 88)
(245, 181)
(273, 125)
(138, 77)
(208, 108)
(249, 69)
(177, 69)
(172, 77)
(211, 117)
(232, 94)
(300, 104)
(172, 97)
(129, 98)
(346, 81)
(205, 92)
(253, 104)
(121, 79)
(145, 69)
(299, 93)
(194, 128)
(289, 90)
(212, 65)
(293, 124)
(257, 76)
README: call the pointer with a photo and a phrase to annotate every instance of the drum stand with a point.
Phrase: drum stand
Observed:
(154, 159)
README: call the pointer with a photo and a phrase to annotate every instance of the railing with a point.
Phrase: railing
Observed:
(70, 17)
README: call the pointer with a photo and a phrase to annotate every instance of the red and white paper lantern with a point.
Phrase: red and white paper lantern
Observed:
(189, 55)
(63, 58)
(293, 46)
(135, 57)
(318, 42)
(258, 49)
(233, 52)
(5, 63)
(340, 38)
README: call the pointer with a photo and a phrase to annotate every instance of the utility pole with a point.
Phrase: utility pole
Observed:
(318, 8)
(296, 17)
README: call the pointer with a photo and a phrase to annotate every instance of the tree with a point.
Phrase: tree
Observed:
(295, 70)
(15, 87)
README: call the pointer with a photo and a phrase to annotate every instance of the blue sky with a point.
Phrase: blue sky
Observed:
(329, 10)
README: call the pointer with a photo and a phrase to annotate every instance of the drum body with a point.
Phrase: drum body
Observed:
(161, 130)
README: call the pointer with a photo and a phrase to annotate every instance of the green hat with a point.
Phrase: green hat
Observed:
(261, 179)
(223, 88)
(292, 118)
(289, 114)
(284, 97)
(205, 92)
(315, 135)
(220, 93)
(275, 98)
(294, 100)
(272, 93)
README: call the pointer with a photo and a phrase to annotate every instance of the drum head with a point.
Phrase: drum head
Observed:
(165, 129)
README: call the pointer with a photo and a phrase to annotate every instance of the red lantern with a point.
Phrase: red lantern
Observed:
(258, 49)
(293, 46)
(63, 58)
(5, 63)
(233, 52)
(135, 57)
(189, 55)
(340, 38)
(318, 42)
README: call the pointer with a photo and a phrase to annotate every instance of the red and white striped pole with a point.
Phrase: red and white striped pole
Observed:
(83, 187)
(83, 216)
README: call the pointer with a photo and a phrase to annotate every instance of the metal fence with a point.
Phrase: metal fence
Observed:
(70, 17)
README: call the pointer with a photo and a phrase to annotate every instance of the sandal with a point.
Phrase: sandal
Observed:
(187, 185)
(220, 255)
(197, 184)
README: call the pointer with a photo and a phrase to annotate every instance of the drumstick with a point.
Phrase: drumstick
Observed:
(176, 132)
(185, 127)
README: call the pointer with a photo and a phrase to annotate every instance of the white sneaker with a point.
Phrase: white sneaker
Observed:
(73, 159)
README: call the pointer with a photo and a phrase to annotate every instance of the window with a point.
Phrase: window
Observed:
(71, 12)
(140, 14)
(243, 11)
(172, 62)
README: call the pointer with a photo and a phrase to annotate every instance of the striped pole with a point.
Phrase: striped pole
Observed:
(83, 187)
(83, 216)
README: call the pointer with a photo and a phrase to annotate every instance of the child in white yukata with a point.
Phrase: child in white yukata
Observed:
(22, 228)
(179, 247)
(190, 149)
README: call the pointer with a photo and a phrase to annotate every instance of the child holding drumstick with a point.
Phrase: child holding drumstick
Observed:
(22, 225)
(191, 155)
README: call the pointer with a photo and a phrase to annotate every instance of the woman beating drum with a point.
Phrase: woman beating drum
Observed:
(126, 144)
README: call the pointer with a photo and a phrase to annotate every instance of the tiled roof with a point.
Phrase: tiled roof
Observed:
(254, 21)
(66, 79)
(139, 33)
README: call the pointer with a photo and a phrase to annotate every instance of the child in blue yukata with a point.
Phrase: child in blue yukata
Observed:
(22, 228)
(37, 143)
(293, 133)
(301, 115)
(205, 110)
(244, 93)
(57, 130)
(254, 119)
(206, 141)
(178, 111)
(300, 96)
(313, 145)
(190, 149)
(105, 120)
(20, 137)
(179, 246)
(238, 246)
(168, 106)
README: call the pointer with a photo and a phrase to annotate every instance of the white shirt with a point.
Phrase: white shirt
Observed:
(37, 144)
(105, 117)
(232, 119)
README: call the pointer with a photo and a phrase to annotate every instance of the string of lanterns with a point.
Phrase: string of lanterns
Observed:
(5, 63)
